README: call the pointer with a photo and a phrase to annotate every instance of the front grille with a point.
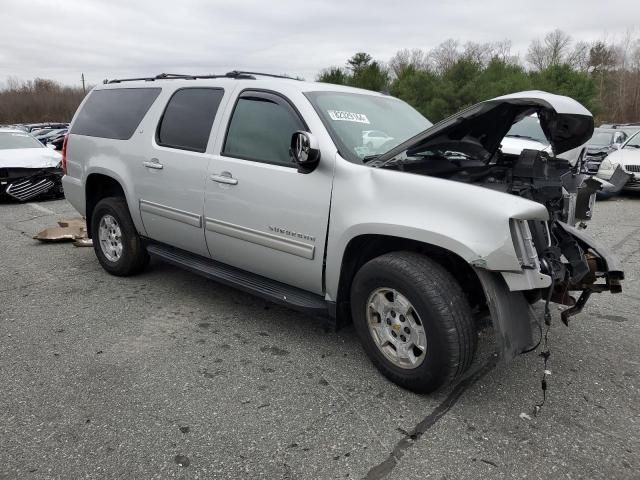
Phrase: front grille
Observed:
(632, 168)
(29, 188)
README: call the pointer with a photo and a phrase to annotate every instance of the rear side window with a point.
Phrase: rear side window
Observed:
(114, 113)
(187, 120)
(261, 128)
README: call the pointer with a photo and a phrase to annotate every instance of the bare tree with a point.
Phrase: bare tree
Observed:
(553, 50)
(578, 58)
(444, 55)
(405, 59)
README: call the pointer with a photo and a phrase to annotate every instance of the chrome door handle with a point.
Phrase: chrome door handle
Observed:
(224, 177)
(154, 163)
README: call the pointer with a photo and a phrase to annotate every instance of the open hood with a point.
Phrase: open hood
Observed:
(479, 129)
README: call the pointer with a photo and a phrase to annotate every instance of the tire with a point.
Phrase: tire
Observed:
(133, 256)
(438, 305)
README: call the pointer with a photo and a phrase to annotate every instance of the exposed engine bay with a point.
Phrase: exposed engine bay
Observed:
(553, 247)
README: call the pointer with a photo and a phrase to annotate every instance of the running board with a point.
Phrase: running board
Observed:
(263, 287)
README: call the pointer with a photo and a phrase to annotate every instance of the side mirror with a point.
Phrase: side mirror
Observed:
(305, 151)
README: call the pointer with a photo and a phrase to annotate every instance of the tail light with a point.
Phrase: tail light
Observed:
(64, 154)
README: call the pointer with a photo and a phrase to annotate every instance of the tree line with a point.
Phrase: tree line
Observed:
(38, 100)
(604, 76)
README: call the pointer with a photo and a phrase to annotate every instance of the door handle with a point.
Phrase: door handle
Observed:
(153, 163)
(224, 177)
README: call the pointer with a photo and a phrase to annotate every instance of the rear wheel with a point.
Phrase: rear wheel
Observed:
(413, 320)
(116, 242)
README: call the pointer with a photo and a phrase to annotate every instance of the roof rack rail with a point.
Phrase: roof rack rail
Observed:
(240, 72)
(237, 74)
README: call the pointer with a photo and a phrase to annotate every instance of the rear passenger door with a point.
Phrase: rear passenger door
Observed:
(173, 170)
(261, 215)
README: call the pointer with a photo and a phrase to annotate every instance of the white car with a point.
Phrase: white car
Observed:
(628, 158)
(526, 134)
(27, 168)
(374, 139)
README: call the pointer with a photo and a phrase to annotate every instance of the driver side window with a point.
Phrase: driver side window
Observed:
(260, 129)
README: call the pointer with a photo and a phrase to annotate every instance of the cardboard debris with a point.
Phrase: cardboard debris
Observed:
(83, 242)
(73, 222)
(68, 230)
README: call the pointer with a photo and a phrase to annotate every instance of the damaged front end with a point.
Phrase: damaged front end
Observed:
(23, 184)
(558, 261)
(576, 265)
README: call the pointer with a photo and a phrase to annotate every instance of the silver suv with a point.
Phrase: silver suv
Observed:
(272, 185)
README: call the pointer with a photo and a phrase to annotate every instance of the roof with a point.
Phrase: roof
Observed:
(258, 81)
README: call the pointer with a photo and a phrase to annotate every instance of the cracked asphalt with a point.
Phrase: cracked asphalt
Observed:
(169, 375)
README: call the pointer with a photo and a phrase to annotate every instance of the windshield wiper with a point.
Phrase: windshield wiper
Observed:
(515, 135)
(368, 158)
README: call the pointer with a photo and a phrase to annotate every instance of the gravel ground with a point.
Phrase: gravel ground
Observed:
(168, 375)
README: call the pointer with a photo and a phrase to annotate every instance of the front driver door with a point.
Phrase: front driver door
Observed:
(261, 215)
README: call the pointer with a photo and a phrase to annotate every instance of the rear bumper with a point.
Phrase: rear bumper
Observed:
(74, 193)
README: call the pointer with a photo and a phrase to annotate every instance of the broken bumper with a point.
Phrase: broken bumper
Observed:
(23, 184)
(514, 318)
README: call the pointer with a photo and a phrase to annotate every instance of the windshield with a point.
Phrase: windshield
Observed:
(366, 125)
(633, 142)
(601, 138)
(529, 128)
(9, 140)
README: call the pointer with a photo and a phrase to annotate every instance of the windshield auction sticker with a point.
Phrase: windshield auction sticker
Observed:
(348, 116)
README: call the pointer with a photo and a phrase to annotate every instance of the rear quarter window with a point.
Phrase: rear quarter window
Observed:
(114, 113)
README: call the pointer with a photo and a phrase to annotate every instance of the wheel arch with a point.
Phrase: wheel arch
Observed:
(97, 187)
(363, 248)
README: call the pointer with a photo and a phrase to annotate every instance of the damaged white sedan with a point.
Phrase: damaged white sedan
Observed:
(28, 169)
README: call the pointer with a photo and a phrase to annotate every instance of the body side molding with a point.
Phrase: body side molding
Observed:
(171, 213)
(269, 240)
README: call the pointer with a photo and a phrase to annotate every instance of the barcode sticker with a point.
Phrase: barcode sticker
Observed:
(347, 116)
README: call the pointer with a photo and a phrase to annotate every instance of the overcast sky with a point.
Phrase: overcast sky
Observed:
(120, 38)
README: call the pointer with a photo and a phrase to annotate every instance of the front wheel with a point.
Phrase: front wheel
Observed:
(116, 242)
(413, 320)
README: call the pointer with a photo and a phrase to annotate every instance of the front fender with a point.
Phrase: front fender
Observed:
(470, 221)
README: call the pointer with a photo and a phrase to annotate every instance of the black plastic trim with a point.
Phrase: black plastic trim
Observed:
(258, 285)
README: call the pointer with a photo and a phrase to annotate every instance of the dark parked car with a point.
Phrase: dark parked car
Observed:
(602, 143)
(50, 135)
(31, 127)
(628, 128)
(58, 141)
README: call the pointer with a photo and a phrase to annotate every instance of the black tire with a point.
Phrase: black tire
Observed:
(443, 310)
(134, 257)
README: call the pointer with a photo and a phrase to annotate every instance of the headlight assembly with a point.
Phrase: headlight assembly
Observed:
(606, 165)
